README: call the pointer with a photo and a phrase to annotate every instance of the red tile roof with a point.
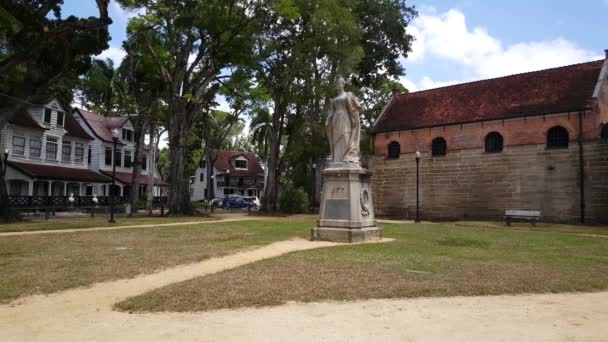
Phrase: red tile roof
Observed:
(126, 178)
(225, 159)
(53, 172)
(74, 129)
(557, 90)
(24, 119)
(101, 125)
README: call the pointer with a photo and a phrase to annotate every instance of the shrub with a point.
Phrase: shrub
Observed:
(293, 201)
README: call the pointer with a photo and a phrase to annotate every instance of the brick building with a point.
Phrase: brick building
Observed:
(536, 140)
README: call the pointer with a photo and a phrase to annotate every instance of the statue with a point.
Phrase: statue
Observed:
(344, 126)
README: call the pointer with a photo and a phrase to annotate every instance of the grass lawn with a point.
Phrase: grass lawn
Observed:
(90, 223)
(35, 264)
(425, 260)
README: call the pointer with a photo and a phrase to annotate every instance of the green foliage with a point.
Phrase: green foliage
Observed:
(293, 200)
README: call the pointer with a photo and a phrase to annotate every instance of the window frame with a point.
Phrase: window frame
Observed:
(78, 157)
(390, 152)
(50, 115)
(62, 118)
(13, 146)
(129, 159)
(240, 161)
(47, 150)
(604, 132)
(118, 157)
(144, 162)
(494, 149)
(32, 148)
(202, 177)
(108, 152)
(439, 147)
(555, 138)
(68, 144)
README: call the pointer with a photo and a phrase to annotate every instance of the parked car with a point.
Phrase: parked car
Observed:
(217, 202)
(236, 202)
(254, 200)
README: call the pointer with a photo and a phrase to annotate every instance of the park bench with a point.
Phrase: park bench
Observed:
(531, 216)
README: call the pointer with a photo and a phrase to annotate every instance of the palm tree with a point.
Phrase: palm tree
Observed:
(260, 129)
(98, 87)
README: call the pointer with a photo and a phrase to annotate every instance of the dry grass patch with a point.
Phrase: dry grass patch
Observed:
(425, 260)
(92, 223)
(36, 264)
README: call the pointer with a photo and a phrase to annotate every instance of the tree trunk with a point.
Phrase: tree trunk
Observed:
(269, 202)
(140, 130)
(179, 179)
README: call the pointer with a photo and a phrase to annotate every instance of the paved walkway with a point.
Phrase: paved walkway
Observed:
(85, 314)
(72, 230)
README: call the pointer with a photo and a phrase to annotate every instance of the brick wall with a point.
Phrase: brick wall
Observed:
(472, 184)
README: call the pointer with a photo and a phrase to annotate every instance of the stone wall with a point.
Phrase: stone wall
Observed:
(472, 184)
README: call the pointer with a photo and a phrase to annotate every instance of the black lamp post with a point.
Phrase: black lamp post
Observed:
(314, 184)
(418, 156)
(114, 140)
(4, 165)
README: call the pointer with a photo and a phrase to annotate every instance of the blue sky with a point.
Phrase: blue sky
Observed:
(465, 40)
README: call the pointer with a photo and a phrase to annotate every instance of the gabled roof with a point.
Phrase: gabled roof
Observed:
(74, 129)
(558, 90)
(224, 161)
(127, 177)
(102, 125)
(24, 119)
(54, 172)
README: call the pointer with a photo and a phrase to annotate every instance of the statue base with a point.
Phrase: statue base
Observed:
(347, 210)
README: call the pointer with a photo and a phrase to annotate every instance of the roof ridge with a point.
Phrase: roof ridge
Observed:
(500, 77)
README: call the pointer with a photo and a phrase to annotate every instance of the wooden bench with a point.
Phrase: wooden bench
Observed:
(531, 216)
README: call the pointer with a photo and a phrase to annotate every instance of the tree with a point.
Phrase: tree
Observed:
(194, 44)
(39, 53)
(260, 129)
(97, 88)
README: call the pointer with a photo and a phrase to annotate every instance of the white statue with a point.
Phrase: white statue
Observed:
(344, 126)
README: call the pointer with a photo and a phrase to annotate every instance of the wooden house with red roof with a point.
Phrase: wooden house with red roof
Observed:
(536, 140)
(56, 152)
(224, 172)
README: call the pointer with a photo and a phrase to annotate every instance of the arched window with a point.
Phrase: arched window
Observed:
(604, 133)
(557, 137)
(494, 142)
(394, 150)
(439, 147)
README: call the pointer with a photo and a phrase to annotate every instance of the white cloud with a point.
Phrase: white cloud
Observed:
(446, 36)
(117, 12)
(425, 83)
(113, 53)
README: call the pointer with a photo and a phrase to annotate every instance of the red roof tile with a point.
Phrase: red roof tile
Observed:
(225, 159)
(126, 178)
(557, 90)
(74, 129)
(101, 125)
(52, 172)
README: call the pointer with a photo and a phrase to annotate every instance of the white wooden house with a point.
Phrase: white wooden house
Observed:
(232, 172)
(56, 152)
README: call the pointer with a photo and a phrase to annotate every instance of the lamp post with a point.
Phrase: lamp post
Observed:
(5, 209)
(4, 164)
(114, 140)
(418, 156)
(314, 184)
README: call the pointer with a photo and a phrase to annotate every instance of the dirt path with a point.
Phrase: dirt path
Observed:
(72, 230)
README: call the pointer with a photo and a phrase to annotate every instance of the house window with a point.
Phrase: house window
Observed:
(202, 177)
(202, 164)
(108, 156)
(494, 142)
(394, 150)
(66, 151)
(241, 181)
(89, 155)
(18, 145)
(78, 152)
(604, 132)
(60, 118)
(144, 162)
(557, 137)
(47, 115)
(127, 134)
(439, 147)
(118, 157)
(35, 147)
(51, 148)
(128, 160)
(240, 164)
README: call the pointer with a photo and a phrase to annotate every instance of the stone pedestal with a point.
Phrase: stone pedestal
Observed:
(347, 210)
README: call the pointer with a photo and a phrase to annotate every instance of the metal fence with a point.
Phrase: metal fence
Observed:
(68, 202)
